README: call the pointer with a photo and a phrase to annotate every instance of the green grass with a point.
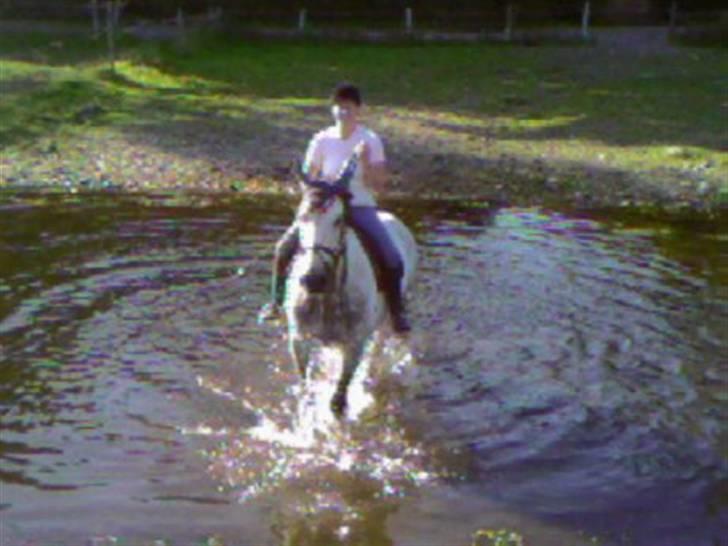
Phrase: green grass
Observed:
(644, 102)
(568, 106)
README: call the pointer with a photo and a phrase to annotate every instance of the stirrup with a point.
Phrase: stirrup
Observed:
(269, 313)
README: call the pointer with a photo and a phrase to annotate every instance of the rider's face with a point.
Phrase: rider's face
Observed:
(345, 111)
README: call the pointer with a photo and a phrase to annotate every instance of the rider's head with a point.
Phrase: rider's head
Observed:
(346, 102)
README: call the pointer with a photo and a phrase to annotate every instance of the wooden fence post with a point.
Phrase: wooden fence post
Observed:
(508, 32)
(95, 18)
(585, 14)
(408, 19)
(118, 6)
(302, 20)
(181, 27)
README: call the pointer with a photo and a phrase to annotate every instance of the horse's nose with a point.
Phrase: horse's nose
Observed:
(314, 282)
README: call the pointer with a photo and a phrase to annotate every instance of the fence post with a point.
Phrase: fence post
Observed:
(110, 34)
(118, 6)
(408, 19)
(585, 14)
(181, 34)
(95, 18)
(302, 20)
(508, 32)
(673, 16)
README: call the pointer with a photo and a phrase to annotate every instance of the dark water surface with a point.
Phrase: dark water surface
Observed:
(566, 380)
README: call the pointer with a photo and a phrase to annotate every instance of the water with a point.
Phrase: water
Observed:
(565, 381)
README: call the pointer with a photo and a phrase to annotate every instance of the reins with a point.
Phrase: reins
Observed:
(330, 192)
(335, 254)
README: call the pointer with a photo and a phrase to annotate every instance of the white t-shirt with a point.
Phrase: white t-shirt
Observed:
(329, 152)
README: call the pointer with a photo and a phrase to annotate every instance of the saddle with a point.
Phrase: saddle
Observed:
(341, 189)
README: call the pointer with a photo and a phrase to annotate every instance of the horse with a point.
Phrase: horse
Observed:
(332, 294)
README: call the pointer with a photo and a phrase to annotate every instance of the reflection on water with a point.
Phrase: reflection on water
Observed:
(566, 380)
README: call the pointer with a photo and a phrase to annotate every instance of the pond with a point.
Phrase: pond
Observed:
(565, 380)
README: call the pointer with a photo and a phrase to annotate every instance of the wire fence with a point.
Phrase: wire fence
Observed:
(508, 18)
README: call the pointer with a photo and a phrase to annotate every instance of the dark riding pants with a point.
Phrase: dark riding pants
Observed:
(372, 233)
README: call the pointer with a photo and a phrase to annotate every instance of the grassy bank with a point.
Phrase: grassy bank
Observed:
(587, 125)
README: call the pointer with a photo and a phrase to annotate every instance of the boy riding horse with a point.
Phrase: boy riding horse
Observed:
(326, 155)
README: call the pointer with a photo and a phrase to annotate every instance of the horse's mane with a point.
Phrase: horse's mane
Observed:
(318, 195)
(317, 198)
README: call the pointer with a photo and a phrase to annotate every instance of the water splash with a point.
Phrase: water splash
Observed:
(297, 443)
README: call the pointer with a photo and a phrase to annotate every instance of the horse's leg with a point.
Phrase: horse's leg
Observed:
(352, 356)
(377, 351)
(300, 351)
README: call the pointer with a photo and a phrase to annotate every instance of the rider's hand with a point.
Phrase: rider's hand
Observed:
(374, 174)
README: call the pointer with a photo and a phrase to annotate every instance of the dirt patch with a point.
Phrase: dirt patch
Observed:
(204, 155)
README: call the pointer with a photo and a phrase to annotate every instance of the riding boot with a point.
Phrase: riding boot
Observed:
(395, 302)
(284, 252)
(271, 311)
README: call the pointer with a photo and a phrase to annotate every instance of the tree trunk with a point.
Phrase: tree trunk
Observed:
(110, 29)
(585, 14)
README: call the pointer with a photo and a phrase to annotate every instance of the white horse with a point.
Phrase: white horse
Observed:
(343, 307)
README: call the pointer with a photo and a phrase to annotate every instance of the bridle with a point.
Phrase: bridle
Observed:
(333, 191)
(334, 255)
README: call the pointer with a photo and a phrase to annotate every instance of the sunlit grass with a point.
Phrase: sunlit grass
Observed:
(152, 77)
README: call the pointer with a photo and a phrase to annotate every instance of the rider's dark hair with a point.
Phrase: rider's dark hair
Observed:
(347, 91)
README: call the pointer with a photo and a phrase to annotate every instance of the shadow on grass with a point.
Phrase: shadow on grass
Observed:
(617, 98)
(123, 80)
(36, 109)
(43, 104)
(634, 131)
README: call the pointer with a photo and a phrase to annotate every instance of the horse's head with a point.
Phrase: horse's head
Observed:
(321, 221)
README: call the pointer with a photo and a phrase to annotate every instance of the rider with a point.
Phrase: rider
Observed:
(326, 155)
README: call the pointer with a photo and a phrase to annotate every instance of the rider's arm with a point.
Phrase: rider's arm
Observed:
(313, 161)
(376, 175)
